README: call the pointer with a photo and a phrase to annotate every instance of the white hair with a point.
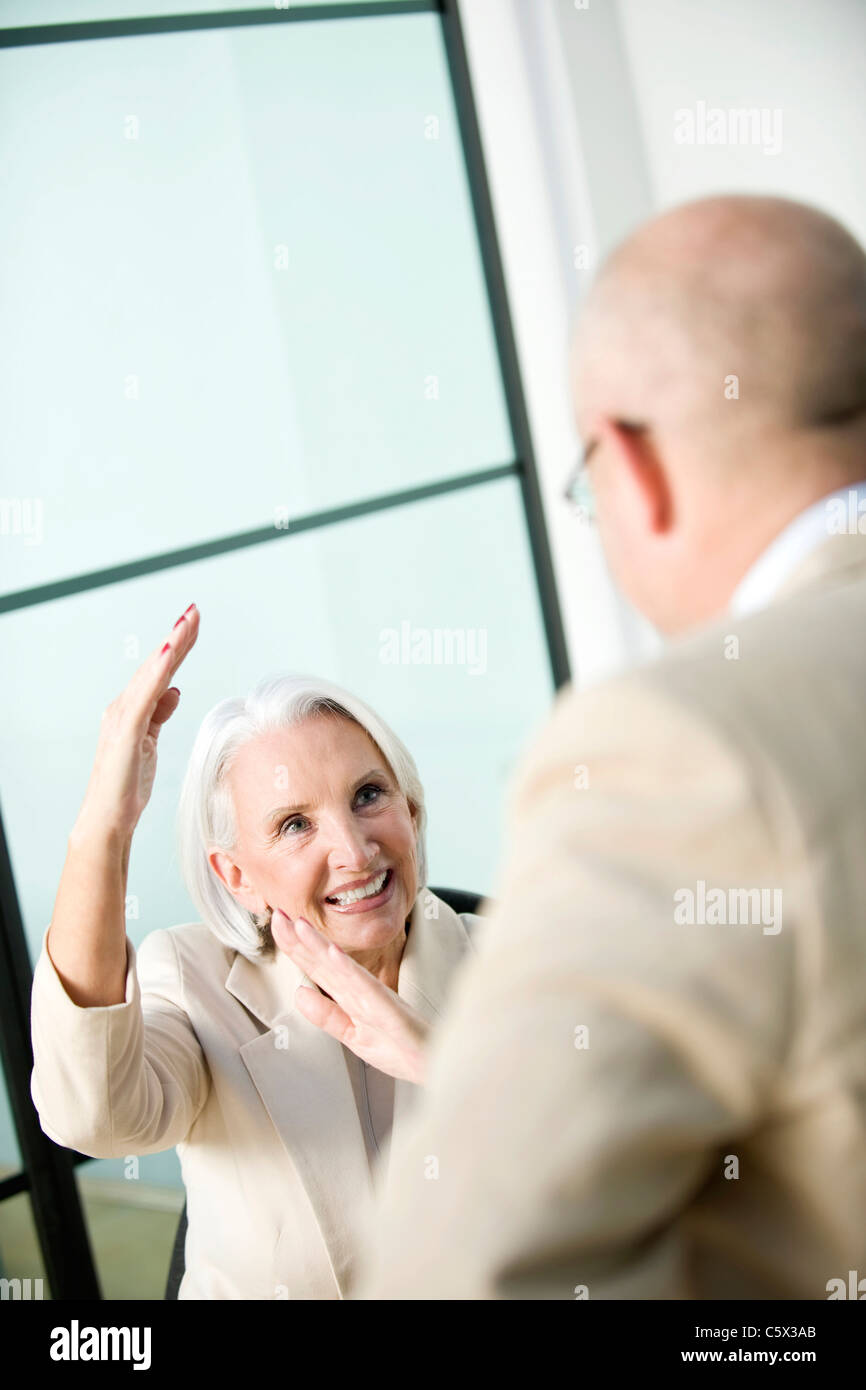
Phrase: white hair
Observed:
(206, 813)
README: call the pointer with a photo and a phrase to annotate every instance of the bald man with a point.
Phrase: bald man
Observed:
(651, 1082)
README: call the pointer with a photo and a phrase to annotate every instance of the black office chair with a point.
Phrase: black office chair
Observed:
(459, 901)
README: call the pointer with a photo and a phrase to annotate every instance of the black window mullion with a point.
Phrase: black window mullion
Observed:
(49, 1169)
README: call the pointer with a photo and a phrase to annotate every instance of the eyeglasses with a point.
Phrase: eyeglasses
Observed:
(578, 490)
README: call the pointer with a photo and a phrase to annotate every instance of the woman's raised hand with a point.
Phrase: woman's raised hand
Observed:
(86, 939)
(124, 766)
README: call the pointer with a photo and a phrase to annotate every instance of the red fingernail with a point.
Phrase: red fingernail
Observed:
(188, 610)
(180, 620)
(165, 649)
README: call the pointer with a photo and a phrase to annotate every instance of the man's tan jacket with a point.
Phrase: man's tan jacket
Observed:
(651, 1081)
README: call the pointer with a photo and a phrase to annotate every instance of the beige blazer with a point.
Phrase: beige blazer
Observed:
(209, 1054)
(623, 1102)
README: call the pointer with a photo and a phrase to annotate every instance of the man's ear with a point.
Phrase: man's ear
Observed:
(642, 481)
(232, 876)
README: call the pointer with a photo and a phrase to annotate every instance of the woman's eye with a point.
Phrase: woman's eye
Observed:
(293, 820)
(288, 825)
(370, 788)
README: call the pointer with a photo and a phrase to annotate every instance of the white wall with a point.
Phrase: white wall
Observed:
(801, 58)
(577, 101)
(548, 198)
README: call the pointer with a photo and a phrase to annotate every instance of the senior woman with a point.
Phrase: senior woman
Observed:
(279, 1042)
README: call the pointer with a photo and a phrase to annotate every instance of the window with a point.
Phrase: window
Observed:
(256, 356)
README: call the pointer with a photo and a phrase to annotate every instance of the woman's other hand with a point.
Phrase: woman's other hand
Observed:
(362, 1013)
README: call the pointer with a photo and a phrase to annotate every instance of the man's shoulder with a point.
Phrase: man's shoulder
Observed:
(767, 676)
(785, 648)
(641, 709)
(777, 692)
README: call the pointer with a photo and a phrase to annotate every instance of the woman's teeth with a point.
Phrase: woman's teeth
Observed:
(355, 894)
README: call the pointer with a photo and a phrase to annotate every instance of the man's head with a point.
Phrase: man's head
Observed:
(733, 329)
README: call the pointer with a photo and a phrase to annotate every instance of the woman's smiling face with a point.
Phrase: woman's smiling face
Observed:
(318, 813)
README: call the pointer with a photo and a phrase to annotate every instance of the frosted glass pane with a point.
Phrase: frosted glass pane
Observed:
(239, 283)
(28, 12)
(20, 1252)
(10, 1153)
(153, 1170)
(323, 602)
(131, 1227)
